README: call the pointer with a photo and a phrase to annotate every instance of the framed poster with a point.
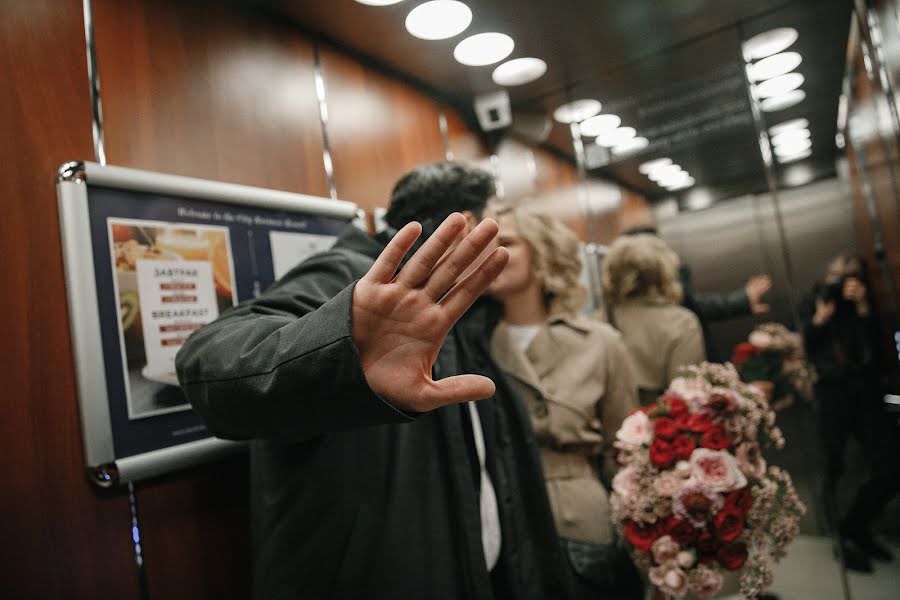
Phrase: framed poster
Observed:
(149, 258)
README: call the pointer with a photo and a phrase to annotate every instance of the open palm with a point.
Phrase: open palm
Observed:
(400, 322)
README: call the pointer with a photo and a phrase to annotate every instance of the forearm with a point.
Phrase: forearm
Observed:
(262, 372)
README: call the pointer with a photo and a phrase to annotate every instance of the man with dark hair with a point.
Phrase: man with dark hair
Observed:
(373, 473)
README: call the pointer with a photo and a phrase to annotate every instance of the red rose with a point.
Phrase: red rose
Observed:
(732, 556)
(665, 428)
(741, 499)
(744, 352)
(682, 531)
(699, 423)
(707, 547)
(676, 405)
(642, 537)
(729, 523)
(715, 439)
(682, 447)
(661, 453)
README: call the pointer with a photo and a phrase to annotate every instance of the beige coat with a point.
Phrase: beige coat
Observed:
(661, 338)
(578, 388)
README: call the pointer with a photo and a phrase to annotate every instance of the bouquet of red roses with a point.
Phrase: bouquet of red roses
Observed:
(774, 354)
(695, 497)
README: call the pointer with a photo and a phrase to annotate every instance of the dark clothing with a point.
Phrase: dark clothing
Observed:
(352, 498)
(845, 351)
(711, 307)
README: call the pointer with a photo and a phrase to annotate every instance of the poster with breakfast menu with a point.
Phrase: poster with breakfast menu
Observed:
(170, 279)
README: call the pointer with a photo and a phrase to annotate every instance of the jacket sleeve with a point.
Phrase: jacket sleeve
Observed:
(284, 366)
(620, 399)
(717, 307)
(687, 348)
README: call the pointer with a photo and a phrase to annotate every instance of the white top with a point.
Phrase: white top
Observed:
(522, 334)
(490, 516)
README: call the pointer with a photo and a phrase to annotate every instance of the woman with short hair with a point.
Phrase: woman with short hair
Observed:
(643, 301)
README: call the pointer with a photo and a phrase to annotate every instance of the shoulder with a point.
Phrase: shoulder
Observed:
(590, 329)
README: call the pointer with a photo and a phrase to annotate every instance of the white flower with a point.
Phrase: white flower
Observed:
(636, 430)
(760, 339)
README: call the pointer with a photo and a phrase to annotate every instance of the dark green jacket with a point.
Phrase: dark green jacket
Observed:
(351, 497)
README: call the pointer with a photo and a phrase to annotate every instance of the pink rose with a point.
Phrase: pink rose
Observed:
(625, 483)
(760, 339)
(705, 582)
(716, 469)
(696, 503)
(750, 460)
(667, 484)
(670, 580)
(636, 430)
(665, 549)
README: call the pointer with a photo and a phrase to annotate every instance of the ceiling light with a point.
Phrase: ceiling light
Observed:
(519, 71)
(616, 137)
(682, 185)
(794, 147)
(783, 101)
(577, 111)
(438, 19)
(779, 85)
(652, 165)
(790, 136)
(793, 157)
(774, 130)
(673, 179)
(378, 2)
(599, 125)
(483, 49)
(632, 145)
(661, 173)
(774, 66)
(770, 42)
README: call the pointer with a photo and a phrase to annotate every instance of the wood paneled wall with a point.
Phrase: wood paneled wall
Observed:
(59, 538)
(198, 88)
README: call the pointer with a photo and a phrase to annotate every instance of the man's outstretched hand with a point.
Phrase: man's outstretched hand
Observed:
(400, 322)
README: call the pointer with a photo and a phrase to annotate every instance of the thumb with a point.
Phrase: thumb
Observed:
(456, 389)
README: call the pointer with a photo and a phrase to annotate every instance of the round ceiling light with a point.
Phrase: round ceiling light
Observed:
(790, 136)
(661, 173)
(577, 111)
(519, 71)
(769, 43)
(793, 147)
(686, 183)
(775, 65)
(632, 145)
(787, 126)
(779, 85)
(379, 2)
(797, 156)
(438, 19)
(616, 137)
(599, 125)
(783, 101)
(672, 178)
(483, 49)
(652, 165)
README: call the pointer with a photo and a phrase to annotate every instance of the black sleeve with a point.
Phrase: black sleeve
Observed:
(284, 366)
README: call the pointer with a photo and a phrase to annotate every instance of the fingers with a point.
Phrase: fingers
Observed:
(456, 389)
(460, 298)
(463, 256)
(387, 262)
(417, 270)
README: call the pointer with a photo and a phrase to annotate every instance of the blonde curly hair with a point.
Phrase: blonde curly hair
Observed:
(641, 266)
(556, 259)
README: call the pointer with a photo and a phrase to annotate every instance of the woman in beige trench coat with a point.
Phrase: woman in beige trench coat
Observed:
(574, 376)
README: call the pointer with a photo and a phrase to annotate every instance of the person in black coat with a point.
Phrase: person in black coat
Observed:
(842, 336)
(373, 473)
